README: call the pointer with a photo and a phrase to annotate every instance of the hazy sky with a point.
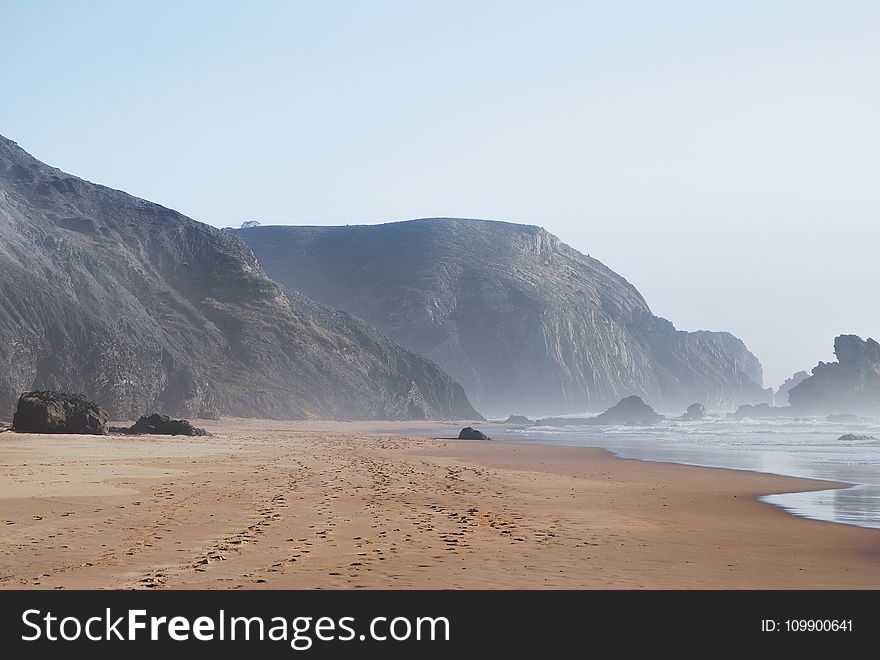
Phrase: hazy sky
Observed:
(723, 156)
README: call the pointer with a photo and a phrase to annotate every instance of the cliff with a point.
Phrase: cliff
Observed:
(525, 322)
(143, 309)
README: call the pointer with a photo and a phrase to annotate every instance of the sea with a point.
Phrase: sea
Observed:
(808, 448)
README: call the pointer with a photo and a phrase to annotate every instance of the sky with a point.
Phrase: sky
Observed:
(722, 156)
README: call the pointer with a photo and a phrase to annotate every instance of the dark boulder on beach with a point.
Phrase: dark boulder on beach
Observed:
(518, 419)
(852, 437)
(695, 412)
(161, 425)
(57, 412)
(470, 433)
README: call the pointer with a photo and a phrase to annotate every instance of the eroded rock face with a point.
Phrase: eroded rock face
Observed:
(161, 425)
(142, 308)
(57, 412)
(850, 385)
(519, 318)
(781, 396)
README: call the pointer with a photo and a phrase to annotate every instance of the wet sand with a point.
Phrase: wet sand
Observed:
(338, 505)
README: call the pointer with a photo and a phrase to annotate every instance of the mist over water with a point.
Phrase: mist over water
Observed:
(807, 448)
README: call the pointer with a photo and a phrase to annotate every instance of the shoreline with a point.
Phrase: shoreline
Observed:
(356, 505)
(787, 505)
(829, 485)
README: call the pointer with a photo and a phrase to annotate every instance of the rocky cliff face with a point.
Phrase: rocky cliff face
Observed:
(781, 396)
(523, 321)
(143, 309)
(850, 385)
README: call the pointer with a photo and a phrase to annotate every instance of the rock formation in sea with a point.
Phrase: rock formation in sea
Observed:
(631, 411)
(521, 319)
(521, 420)
(695, 412)
(142, 308)
(852, 437)
(761, 411)
(781, 396)
(850, 385)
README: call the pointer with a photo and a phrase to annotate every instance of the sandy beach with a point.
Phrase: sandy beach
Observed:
(352, 505)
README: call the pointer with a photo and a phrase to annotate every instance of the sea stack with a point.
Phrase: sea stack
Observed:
(850, 385)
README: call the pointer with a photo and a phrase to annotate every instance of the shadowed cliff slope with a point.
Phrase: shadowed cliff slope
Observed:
(850, 385)
(143, 309)
(525, 322)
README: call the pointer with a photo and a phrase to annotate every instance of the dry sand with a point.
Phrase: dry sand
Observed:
(336, 505)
